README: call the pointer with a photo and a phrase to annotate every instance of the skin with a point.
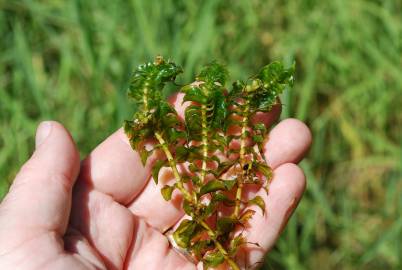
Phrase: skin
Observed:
(105, 212)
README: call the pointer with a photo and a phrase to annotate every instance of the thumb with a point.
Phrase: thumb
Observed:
(40, 196)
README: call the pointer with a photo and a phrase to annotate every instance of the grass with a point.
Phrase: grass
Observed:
(70, 61)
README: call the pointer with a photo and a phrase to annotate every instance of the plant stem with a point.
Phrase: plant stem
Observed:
(238, 197)
(204, 134)
(145, 97)
(212, 234)
(188, 197)
(172, 164)
(240, 179)
(243, 135)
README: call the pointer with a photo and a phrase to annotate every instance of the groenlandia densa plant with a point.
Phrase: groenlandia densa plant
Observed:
(217, 141)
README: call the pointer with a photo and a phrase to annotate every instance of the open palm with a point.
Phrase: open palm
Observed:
(105, 213)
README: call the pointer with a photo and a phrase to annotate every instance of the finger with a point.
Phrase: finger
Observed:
(150, 206)
(40, 197)
(110, 228)
(44, 251)
(288, 142)
(107, 225)
(75, 243)
(113, 168)
(285, 192)
(151, 250)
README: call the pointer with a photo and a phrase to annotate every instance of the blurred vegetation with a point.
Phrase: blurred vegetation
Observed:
(71, 60)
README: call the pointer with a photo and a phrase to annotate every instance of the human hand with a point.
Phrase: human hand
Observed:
(115, 217)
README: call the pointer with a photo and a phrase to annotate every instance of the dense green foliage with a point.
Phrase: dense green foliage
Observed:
(68, 60)
(208, 145)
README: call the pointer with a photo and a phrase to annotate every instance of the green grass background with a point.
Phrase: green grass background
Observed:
(71, 60)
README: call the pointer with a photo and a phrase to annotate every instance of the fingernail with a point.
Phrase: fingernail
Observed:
(42, 132)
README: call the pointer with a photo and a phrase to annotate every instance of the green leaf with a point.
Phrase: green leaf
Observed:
(127, 126)
(229, 184)
(258, 138)
(212, 186)
(263, 91)
(235, 243)
(213, 259)
(222, 140)
(152, 78)
(181, 153)
(173, 135)
(193, 168)
(193, 93)
(186, 178)
(225, 225)
(266, 187)
(192, 116)
(144, 154)
(200, 247)
(185, 232)
(224, 166)
(168, 120)
(196, 180)
(260, 127)
(213, 73)
(188, 208)
(275, 74)
(165, 108)
(220, 110)
(167, 192)
(264, 169)
(233, 151)
(244, 218)
(237, 88)
(213, 158)
(156, 168)
(259, 201)
(210, 209)
(220, 197)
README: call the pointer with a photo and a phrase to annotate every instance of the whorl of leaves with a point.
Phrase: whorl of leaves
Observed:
(204, 140)
(154, 113)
